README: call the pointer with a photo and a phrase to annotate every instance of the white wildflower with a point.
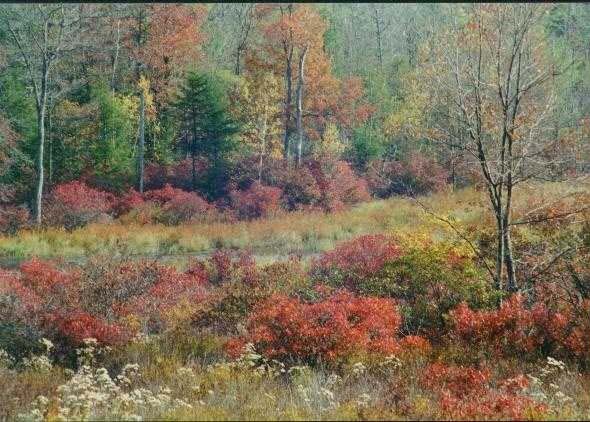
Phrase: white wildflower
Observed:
(358, 369)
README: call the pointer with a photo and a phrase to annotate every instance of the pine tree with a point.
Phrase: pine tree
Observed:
(203, 111)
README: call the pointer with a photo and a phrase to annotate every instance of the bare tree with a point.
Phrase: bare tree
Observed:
(288, 48)
(300, 84)
(41, 36)
(245, 19)
(381, 25)
(498, 81)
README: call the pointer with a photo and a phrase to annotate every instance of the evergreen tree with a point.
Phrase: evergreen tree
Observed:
(209, 128)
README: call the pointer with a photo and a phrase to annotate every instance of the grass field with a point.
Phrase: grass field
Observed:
(175, 366)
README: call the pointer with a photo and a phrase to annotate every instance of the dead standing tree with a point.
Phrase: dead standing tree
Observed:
(493, 71)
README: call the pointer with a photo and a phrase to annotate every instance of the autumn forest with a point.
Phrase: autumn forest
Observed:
(294, 211)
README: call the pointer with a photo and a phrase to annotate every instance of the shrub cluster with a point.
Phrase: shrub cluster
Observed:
(328, 185)
(427, 280)
(105, 300)
(258, 201)
(75, 204)
(516, 329)
(13, 218)
(416, 176)
(466, 393)
(335, 327)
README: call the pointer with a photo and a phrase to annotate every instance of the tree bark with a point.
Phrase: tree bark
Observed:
(40, 172)
(500, 252)
(263, 147)
(141, 138)
(41, 110)
(300, 85)
(193, 157)
(116, 56)
(288, 100)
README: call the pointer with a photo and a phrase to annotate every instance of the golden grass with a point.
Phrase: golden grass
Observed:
(298, 232)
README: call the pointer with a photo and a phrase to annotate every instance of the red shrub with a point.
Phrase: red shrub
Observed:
(465, 393)
(13, 219)
(130, 200)
(163, 195)
(416, 175)
(415, 345)
(179, 206)
(80, 325)
(356, 259)
(515, 329)
(18, 301)
(178, 175)
(74, 204)
(68, 306)
(228, 266)
(458, 380)
(343, 324)
(338, 184)
(300, 187)
(170, 289)
(257, 202)
(42, 276)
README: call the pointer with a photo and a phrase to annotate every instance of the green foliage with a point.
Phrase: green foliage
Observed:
(368, 143)
(431, 280)
(16, 104)
(202, 107)
(113, 153)
(19, 340)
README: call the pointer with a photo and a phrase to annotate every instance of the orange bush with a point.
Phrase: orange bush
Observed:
(465, 393)
(74, 204)
(515, 329)
(343, 324)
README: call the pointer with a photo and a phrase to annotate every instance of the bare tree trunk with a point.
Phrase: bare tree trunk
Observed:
(116, 57)
(193, 147)
(300, 84)
(500, 252)
(40, 173)
(379, 34)
(41, 110)
(50, 140)
(263, 148)
(288, 100)
(141, 138)
(238, 56)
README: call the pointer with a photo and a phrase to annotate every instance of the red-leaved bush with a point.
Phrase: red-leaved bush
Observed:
(48, 299)
(466, 393)
(515, 329)
(179, 206)
(286, 328)
(178, 175)
(416, 175)
(130, 200)
(258, 201)
(81, 325)
(230, 266)
(109, 301)
(75, 204)
(355, 260)
(169, 289)
(339, 186)
(13, 218)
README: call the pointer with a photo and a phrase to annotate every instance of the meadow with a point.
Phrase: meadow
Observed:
(379, 311)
